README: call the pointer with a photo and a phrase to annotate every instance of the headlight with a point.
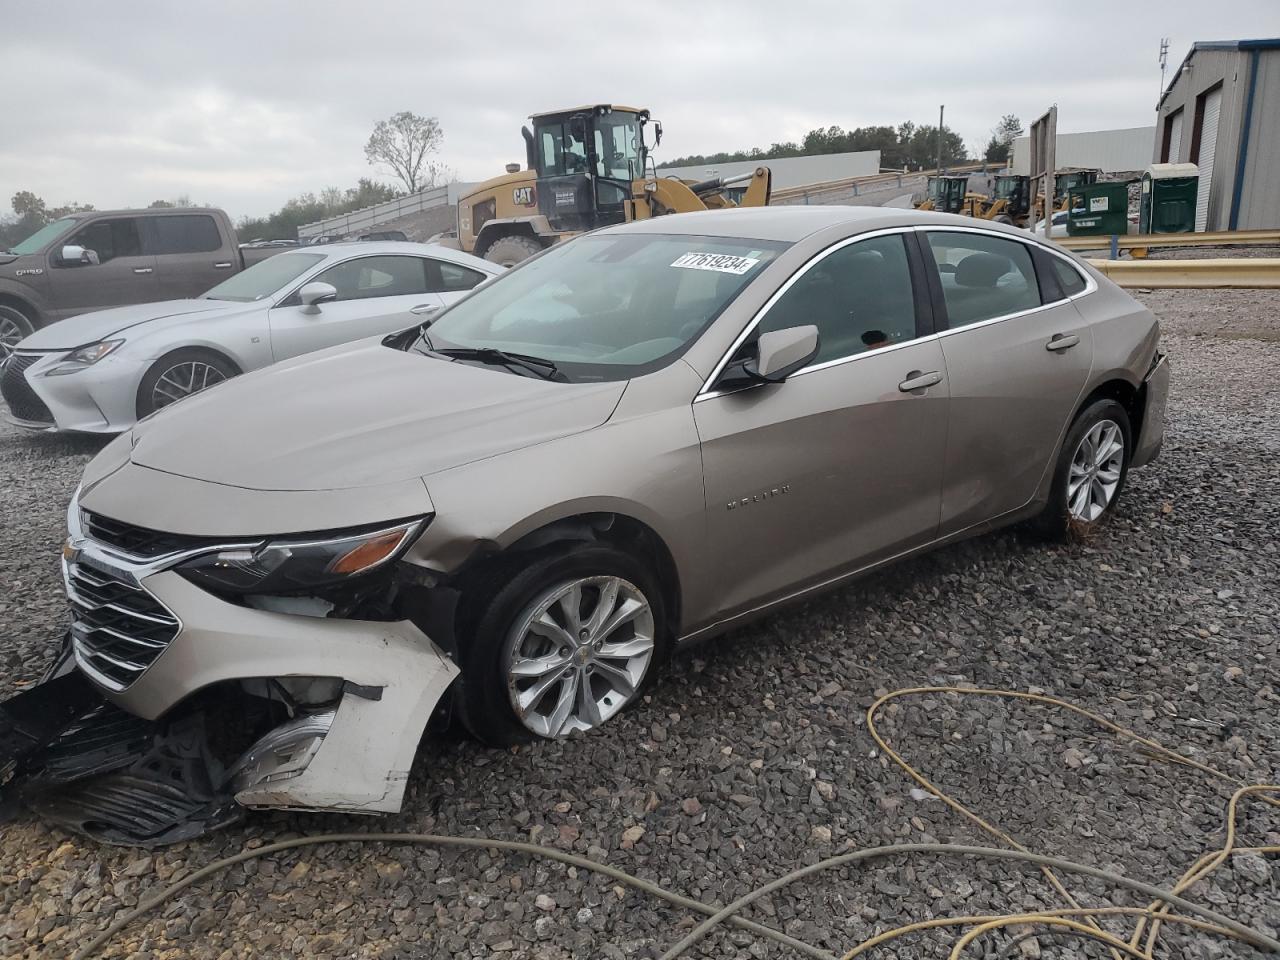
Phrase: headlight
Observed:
(82, 357)
(289, 565)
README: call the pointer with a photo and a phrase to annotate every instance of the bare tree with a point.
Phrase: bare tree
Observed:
(402, 144)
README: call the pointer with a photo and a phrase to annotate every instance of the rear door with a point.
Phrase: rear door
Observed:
(377, 294)
(191, 253)
(838, 466)
(1018, 355)
(122, 274)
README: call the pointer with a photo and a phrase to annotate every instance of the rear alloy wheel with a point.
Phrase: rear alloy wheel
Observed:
(512, 250)
(557, 642)
(179, 375)
(15, 327)
(1090, 473)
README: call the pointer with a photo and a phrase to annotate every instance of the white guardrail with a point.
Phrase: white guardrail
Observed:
(367, 217)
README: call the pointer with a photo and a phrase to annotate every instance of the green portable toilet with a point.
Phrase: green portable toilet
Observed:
(1168, 200)
(1100, 209)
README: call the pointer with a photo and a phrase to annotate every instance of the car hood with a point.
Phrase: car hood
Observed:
(91, 327)
(361, 415)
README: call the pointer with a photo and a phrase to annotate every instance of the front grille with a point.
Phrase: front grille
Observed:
(119, 629)
(22, 400)
(140, 541)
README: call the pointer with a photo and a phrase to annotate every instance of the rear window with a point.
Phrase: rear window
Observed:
(195, 233)
(983, 277)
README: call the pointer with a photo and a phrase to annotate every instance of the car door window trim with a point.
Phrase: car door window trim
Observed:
(1034, 246)
(330, 264)
(707, 392)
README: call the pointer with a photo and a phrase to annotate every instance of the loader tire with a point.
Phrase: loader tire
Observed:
(509, 251)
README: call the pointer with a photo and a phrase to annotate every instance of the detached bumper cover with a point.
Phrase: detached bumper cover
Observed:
(1156, 390)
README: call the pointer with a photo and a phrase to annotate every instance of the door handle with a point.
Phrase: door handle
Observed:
(918, 381)
(222, 265)
(1062, 341)
(422, 308)
(142, 270)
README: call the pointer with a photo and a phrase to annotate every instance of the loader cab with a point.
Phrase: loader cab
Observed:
(585, 160)
(947, 193)
(1015, 190)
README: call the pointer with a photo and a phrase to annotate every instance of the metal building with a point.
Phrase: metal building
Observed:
(1111, 151)
(1221, 112)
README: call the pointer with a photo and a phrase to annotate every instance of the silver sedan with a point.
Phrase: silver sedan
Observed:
(101, 372)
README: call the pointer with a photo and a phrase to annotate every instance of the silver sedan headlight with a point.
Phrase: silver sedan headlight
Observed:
(82, 357)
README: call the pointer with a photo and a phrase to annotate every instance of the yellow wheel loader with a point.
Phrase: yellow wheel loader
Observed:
(587, 167)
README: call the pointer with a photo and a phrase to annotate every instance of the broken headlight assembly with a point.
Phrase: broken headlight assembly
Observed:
(286, 565)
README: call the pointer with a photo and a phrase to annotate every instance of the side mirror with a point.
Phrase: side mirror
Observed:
(74, 255)
(780, 353)
(315, 293)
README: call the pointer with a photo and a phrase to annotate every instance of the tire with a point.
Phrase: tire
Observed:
(1070, 511)
(508, 251)
(15, 326)
(500, 633)
(180, 374)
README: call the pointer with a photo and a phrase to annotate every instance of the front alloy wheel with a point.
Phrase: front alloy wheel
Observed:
(578, 654)
(182, 380)
(1096, 467)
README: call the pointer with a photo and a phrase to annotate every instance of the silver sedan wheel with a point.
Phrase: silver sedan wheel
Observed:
(577, 654)
(182, 380)
(1095, 471)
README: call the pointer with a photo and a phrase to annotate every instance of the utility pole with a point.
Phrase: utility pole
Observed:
(940, 111)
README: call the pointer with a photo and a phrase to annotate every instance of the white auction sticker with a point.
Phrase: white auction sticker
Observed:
(720, 262)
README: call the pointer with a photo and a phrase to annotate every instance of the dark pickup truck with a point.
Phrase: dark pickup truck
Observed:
(110, 258)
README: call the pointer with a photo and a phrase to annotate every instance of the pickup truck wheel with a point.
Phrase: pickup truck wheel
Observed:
(509, 251)
(1090, 473)
(180, 374)
(15, 326)
(561, 647)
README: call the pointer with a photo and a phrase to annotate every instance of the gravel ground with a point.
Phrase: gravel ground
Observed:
(752, 756)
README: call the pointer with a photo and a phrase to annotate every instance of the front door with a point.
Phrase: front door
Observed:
(1018, 356)
(377, 294)
(837, 467)
(121, 275)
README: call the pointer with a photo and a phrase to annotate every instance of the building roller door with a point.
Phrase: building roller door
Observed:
(1208, 142)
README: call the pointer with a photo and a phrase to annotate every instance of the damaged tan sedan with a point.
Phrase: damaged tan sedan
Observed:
(510, 516)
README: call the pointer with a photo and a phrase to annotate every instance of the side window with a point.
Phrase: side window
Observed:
(110, 239)
(367, 277)
(194, 233)
(859, 297)
(446, 277)
(1069, 277)
(982, 276)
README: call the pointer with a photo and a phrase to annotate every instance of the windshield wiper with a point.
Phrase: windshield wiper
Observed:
(492, 355)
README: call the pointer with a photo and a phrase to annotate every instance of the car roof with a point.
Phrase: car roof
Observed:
(365, 248)
(789, 223)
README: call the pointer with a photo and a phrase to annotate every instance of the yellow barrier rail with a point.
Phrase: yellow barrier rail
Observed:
(1218, 238)
(1224, 273)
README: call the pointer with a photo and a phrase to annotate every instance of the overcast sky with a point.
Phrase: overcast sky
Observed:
(244, 105)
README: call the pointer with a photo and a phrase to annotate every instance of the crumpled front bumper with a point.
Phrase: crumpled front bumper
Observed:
(358, 757)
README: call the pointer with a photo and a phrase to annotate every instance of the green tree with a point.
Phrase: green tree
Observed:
(402, 143)
(1003, 134)
(30, 207)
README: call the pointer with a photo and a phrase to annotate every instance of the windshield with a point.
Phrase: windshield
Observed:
(264, 278)
(42, 237)
(618, 146)
(606, 307)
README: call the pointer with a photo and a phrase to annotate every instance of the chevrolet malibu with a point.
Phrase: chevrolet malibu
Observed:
(99, 372)
(511, 515)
